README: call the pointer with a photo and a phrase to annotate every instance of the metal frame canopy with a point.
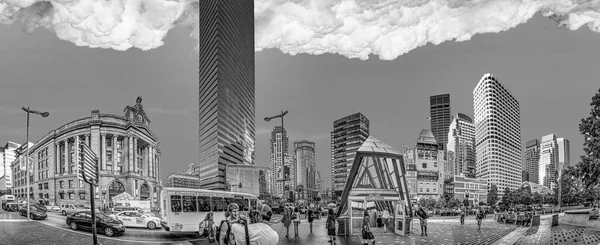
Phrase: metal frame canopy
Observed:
(377, 168)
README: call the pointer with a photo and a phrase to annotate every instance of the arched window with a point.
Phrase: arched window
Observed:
(144, 192)
(115, 188)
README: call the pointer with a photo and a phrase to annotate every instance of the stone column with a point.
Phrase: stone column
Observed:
(76, 162)
(103, 150)
(56, 158)
(115, 160)
(150, 161)
(135, 156)
(67, 156)
(130, 153)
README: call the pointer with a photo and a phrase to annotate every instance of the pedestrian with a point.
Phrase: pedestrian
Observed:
(310, 218)
(296, 220)
(287, 221)
(479, 217)
(232, 216)
(423, 220)
(462, 215)
(207, 227)
(366, 230)
(385, 217)
(331, 225)
(259, 231)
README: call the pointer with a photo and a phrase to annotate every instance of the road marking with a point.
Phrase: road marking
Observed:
(123, 240)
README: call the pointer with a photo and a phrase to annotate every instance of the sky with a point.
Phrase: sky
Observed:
(550, 70)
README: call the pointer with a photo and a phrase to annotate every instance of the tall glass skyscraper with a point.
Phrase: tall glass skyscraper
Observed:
(348, 134)
(439, 109)
(564, 155)
(461, 146)
(548, 161)
(532, 161)
(497, 134)
(226, 91)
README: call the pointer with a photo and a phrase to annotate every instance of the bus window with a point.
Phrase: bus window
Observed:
(229, 200)
(175, 203)
(218, 204)
(243, 203)
(203, 204)
(189, 204)
(253, 203)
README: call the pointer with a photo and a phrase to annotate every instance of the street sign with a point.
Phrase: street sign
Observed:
(88, 165)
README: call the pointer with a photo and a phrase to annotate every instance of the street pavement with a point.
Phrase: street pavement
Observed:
(15, 229)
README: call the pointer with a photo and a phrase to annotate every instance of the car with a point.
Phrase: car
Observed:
(125, 208)
(67, 209)
(53, 208)
(104, 223)
(34, 212)
(137, 219)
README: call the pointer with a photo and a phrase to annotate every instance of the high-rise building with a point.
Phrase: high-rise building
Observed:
(182, 181)
(347, 136)
(548, 161)
(279, 141)
(532, 161)
(564, 155)
(227, 88)
(439, 111)
(461, 146)
(305, 167)
(192, 169)
(497, 134)
(7, 156)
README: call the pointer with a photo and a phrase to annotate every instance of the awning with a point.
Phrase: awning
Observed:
(81, 191)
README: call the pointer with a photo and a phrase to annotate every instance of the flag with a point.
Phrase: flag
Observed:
(88, 170)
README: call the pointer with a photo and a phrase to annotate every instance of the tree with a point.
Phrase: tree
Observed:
(589, 167)
(507, 197)
(441, 203)
(492, 197)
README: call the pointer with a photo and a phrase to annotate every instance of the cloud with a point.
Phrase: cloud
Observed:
(352, 28)
(167, 112)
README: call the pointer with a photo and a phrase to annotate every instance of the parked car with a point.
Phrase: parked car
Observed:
(34, 212)
(137, 219)
(125, 208)
(104, 224)
(67, 209)
(53, 208)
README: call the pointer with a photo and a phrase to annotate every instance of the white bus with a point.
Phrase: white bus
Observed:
(183, 209)
(5, 199)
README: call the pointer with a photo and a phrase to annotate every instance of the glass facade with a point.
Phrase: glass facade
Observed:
(440, 117)
(347, 136)
(532, 161)
(227, 88)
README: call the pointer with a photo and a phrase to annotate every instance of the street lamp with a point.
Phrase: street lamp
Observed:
(281, 115)
(43, 114)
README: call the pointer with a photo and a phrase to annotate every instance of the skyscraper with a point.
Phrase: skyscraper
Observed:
(7, 156)
(439, 111)
(461, 145)
(279, 140)
(226, 91)
(497, 134)
(347, 136)
(305, 166)
(564, 155)
(548, 161)
(532, 161)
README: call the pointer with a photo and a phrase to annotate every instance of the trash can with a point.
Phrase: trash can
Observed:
(343, 226)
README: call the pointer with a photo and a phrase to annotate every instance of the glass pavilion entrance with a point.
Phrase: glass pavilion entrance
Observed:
(377, 182)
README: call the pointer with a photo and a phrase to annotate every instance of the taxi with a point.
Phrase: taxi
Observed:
(137, 219)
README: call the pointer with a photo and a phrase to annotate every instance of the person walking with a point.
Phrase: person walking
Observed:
(310, 217)
(366, 229)
(296, 220)
(232, 216)
(287, 221)
(207, 227)
(385, 215)
(479, 217)
(331, 225)
(462, 215)
(423, 220)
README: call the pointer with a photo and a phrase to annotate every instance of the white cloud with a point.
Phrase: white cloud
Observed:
(353, 28)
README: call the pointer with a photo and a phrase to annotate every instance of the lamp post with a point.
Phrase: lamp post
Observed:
(281, 115)
(43, 114)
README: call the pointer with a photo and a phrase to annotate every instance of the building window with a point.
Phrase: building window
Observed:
(120, 168)
(82, 196)
(81, 184)
(46, 186)
(424, 165)
(41, 196)
(119, 157)
(40, 186)
(70, 185)
(109, 167)
(71, 196)
(108, 142)
(62, 195)
(119, 143)
(61, 184)
(109, 156)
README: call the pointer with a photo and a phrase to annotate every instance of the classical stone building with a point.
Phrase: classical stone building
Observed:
(128, 159)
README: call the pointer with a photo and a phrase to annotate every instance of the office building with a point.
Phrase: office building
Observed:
(477, 189)
(193, 169)
(461, 145)
(227, 88)
(439, 110)
(525, 176)
(497, 134)
(548, 161)
(532, 161)
(305, 168)
(279, 141)
(347, 136)
(128, 160)
(180, 180)
(244, 178)
(7, 156)
(564, 155)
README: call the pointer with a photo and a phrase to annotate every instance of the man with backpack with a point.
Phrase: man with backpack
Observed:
(423, 220)
(236, 230)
